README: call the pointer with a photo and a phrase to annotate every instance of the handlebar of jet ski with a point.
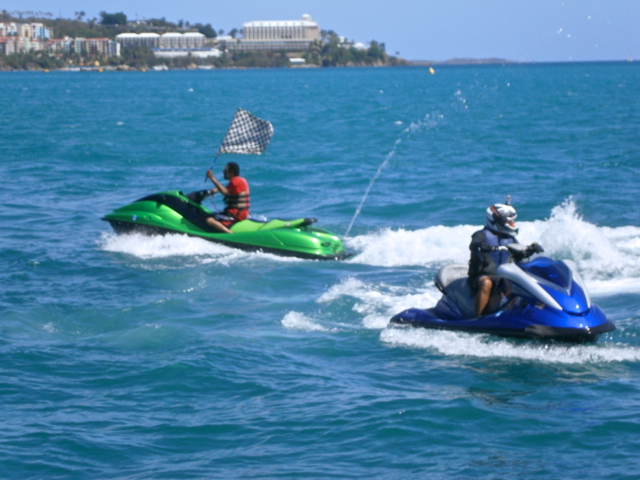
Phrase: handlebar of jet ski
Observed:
(517, 250)
(515, 254)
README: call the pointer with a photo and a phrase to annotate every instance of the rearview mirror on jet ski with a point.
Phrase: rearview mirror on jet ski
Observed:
(199, 195)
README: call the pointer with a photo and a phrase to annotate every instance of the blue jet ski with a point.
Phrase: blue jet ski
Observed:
(548, 300)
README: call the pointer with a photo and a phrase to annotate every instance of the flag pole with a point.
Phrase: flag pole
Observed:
(212, 164)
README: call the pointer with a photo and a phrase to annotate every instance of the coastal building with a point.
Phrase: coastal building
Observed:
(170, 44)
(169, 40)
(8, 29)
(92, 47)
(34, 37)
(86, 47)
(41, 32)
(13, 44)
(59, 45)
(174, 40)
(288, 35)
(135, 40)
(32, 31)
(187, 52)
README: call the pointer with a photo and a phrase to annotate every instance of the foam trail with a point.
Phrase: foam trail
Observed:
(299, 321)
(424, 247)
(485, 346)
(379, 302)
(602, 253)
(148, 247)
(608, 258)
(160, 246)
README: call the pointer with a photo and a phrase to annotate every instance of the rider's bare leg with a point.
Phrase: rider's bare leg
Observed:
(213, 223)
(484, 293)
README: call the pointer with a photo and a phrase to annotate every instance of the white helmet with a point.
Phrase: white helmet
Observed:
(501, 218)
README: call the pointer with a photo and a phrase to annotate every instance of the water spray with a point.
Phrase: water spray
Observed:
(375, 177)
(411, 128)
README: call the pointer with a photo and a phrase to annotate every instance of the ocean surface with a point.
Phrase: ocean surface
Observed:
(170, 357)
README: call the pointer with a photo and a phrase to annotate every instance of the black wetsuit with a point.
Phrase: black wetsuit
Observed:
(487, 263)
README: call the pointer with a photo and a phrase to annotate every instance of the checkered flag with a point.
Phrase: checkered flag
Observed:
(247, 134)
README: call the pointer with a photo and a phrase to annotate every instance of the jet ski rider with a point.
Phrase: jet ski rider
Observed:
(499, 230)
(236, 198)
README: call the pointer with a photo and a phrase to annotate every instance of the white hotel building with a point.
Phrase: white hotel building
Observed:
(170, 40)
(288, 35)
(171, 44)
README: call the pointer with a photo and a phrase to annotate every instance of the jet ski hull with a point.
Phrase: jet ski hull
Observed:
(174, 212)
(517, 319)
(547, 300)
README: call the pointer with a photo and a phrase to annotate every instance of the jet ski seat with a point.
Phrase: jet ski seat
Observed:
(453, 282)
(448, 274)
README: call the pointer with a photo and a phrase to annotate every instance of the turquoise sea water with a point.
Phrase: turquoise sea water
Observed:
(171, 357)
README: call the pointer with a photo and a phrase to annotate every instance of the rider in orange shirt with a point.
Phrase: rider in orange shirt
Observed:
(236, 198)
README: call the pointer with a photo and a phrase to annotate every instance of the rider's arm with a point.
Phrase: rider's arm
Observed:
(477, 242)
(219, 187)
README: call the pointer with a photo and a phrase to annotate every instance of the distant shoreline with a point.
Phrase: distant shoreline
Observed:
(410, 63)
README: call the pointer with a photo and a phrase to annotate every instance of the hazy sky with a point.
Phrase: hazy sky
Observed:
(532, 30)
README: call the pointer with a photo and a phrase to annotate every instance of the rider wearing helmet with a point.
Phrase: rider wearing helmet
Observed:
(499, 230)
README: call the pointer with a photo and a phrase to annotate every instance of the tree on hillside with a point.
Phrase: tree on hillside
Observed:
(113, 18)
(162, 22)
(329, 36)
(207, 30)
(376, 51)
(233, 32)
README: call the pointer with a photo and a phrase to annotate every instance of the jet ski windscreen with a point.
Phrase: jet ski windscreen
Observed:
(555, 272)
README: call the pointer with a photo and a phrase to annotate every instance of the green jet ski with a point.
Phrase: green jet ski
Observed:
(175, 212)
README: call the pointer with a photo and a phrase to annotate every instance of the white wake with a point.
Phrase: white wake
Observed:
(608, 258)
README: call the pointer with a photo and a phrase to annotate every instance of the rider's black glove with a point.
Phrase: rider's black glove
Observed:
(534, 248)
(485, 247)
